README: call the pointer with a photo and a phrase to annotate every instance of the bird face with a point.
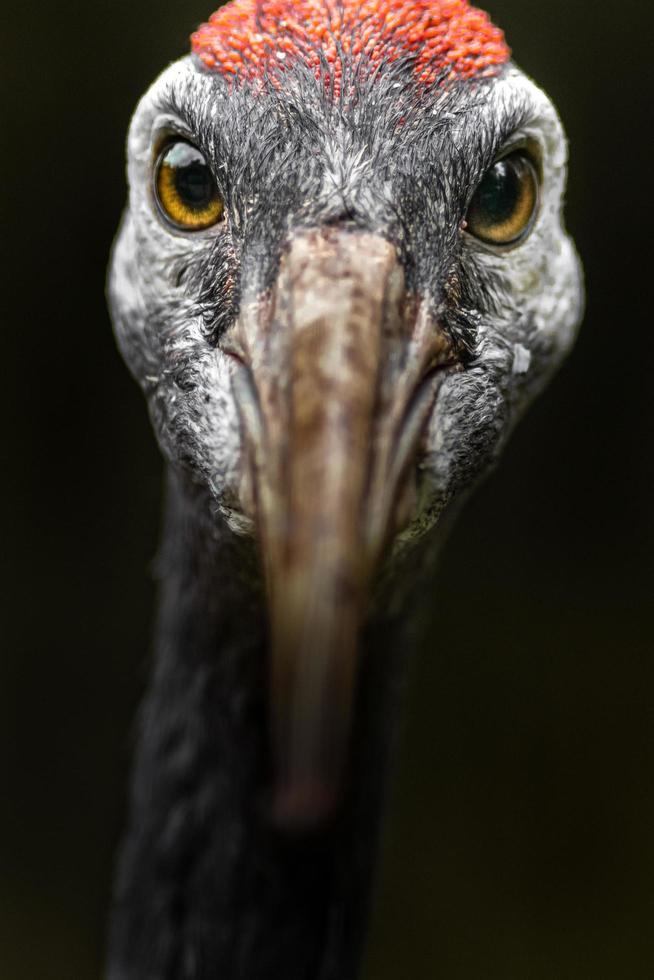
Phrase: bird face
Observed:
(338, 294)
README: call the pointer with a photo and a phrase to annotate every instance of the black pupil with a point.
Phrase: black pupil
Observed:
(193, 180)
(499, 193)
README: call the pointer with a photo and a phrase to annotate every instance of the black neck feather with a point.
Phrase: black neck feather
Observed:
(206, 888)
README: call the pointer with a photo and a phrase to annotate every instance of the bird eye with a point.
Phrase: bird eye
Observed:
(185, 189)
(504, 205)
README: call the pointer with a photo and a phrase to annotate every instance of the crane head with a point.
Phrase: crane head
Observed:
(341, 276)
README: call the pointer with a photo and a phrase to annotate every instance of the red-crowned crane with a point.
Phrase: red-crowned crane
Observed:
(341, 276)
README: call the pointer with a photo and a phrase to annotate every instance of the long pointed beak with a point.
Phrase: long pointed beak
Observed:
(340, 374)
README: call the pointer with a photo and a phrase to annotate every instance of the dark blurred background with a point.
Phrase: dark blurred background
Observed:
(520, 845)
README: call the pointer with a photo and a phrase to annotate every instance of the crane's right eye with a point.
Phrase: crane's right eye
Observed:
(185, 188)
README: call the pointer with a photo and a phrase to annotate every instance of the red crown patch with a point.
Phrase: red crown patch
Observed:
(445, 39)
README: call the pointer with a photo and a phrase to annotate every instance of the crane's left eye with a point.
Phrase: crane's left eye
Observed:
(185, 188)
(504, 205)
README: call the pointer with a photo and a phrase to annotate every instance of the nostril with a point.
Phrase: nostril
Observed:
(185, 377)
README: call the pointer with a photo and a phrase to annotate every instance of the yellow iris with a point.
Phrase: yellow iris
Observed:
(505, 203)
(185, 188)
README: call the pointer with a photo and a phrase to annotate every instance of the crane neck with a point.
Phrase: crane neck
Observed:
(206, 887)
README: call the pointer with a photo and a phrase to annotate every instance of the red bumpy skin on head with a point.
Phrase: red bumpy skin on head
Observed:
(445, 39)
